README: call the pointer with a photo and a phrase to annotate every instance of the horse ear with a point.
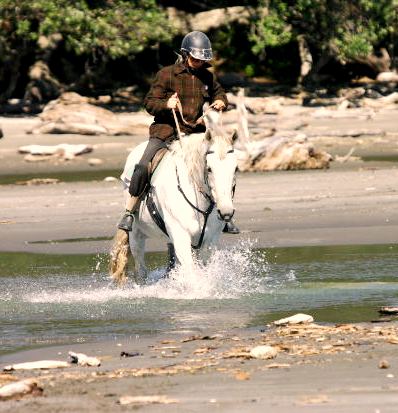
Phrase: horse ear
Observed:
(212, 119)
(208, 135)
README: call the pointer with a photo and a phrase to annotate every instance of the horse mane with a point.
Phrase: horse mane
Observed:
(192, 149)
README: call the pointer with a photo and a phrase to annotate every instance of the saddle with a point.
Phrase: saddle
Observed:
(156, 161)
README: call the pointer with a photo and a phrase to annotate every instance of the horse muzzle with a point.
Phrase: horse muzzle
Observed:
(225, 217)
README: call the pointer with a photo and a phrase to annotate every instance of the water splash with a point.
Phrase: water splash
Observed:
(230, 273)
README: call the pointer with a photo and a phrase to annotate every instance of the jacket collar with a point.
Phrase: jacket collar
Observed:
(182, 67)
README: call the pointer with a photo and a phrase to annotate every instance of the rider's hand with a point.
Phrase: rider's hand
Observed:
(218, 105)
(172, 102)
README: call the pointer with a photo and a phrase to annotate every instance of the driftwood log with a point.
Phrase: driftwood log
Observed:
(279, 153)
(262, 148)
(72, 113)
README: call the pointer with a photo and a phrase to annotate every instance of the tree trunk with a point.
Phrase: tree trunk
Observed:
(12, 72)
(305, 57)
(377, 63)
(204, 21)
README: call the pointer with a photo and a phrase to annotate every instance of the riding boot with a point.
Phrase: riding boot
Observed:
(126, 223)
(231, 228)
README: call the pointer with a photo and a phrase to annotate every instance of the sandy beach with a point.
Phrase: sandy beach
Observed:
(317, 368)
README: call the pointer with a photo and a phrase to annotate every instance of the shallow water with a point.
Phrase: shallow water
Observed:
(64, 299)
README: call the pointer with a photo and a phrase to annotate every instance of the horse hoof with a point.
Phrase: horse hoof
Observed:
(231, 228)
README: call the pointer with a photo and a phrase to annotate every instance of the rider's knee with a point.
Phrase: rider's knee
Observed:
(139, 180)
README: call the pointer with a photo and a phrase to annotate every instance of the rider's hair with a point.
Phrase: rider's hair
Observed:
(182, 56)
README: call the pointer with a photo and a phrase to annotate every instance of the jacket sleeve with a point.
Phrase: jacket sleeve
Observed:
(218, 92)
(155, 101)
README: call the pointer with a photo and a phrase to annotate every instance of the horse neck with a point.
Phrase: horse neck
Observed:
(192, 150)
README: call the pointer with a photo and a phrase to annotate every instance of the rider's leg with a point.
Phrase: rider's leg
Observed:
(139, 183)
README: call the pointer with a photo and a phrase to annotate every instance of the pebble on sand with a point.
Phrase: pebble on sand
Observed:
(263, 352)
(295, 319)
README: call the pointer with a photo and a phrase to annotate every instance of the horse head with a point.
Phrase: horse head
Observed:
(221, 165)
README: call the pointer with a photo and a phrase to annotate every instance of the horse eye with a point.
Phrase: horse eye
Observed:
(231, 151)
(209, 152)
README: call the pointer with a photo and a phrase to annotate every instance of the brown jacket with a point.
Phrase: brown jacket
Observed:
(193, 91)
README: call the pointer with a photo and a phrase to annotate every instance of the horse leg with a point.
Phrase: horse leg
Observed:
(182, 246)
(137, 245)
(171, 258)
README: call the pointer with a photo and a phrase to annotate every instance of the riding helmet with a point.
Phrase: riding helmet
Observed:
(198, 45)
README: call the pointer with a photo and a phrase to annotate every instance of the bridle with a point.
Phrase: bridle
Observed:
(206, 213)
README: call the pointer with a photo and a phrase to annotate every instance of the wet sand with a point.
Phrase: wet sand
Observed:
(351, 203)
(354, 202)
(345, 369)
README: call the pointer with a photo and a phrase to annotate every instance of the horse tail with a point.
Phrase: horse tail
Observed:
(119, 256)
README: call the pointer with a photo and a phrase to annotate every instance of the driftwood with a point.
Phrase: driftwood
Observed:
(353, 133)
(19, 389)
(83, 360)
(207, 20)
(257, 105)
(269, 148)
(280, 153)
(295, 319)
(41, 364)
(72, 113)
(390, 99)
(387, 77)
(145, 400)
(356, 113)
(63, 150)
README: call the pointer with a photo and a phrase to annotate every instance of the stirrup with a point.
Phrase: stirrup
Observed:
(126, 223)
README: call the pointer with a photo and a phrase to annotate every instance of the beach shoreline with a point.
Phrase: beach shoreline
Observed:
(325, 368)
(352, 203)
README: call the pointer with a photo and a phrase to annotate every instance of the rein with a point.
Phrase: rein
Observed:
(205, 213)
(210, 208)
(179, 106)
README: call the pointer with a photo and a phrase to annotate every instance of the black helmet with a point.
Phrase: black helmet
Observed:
(198, 45)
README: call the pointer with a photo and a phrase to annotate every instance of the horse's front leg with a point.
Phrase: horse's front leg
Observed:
(182, 247)
(137, 245)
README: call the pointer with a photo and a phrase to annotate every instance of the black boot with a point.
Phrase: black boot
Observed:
(231, 228)
(126, 223)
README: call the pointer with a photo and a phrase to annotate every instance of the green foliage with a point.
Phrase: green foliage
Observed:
(112, 28)
(345, 29)
(273, 31)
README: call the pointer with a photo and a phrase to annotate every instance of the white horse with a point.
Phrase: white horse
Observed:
(190, 197)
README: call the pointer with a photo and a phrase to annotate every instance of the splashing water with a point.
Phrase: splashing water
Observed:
(68, 300)
(232, 273)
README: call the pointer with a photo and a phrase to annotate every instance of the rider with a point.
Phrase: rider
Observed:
(186, 85)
